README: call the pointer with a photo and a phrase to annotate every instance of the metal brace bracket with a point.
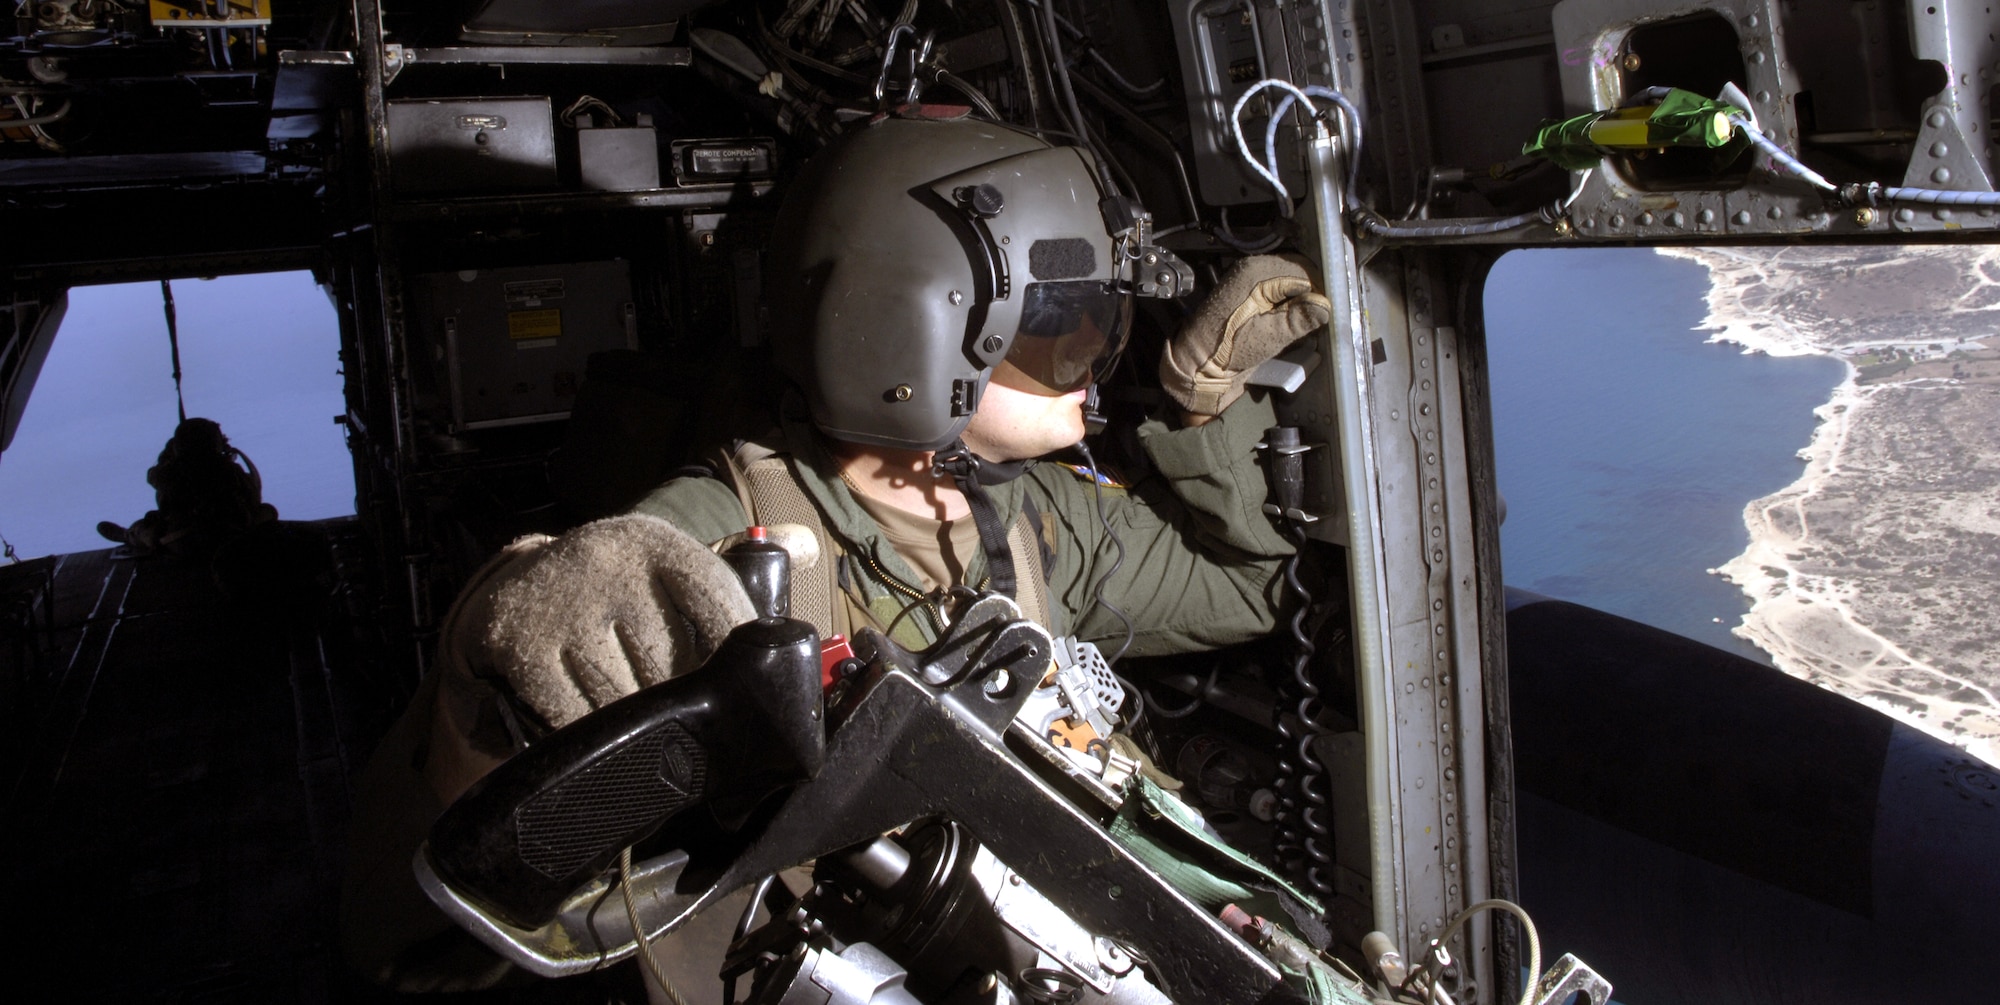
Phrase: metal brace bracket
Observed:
(1572, 976)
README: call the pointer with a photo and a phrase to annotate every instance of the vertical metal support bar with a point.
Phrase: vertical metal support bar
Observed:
(1460, 594)
(370, 54)
(1399, 130)
(1396, 388)
(1475, 405)
(1351, 392)
(1431, 668)
(375, 58)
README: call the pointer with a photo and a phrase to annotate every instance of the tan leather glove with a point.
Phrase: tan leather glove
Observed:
(1262, 305)
(576, 622)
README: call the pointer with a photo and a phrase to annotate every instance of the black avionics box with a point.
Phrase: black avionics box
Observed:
(472, 146)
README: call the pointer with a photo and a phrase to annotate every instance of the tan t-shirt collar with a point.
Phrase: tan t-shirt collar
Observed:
(937, 549)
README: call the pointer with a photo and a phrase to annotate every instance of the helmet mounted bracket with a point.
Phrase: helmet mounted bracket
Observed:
(1145, 269)
(971, 207)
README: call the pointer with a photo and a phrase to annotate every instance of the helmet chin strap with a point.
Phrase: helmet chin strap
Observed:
(972, 475)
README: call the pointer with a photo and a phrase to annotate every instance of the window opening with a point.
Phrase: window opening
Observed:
(1831, 460)
(1627, 443)
(259, 354)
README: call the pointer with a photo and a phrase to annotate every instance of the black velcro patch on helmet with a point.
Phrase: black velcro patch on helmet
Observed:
(1061, 258)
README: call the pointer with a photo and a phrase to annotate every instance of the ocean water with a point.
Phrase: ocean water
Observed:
(1627, 445)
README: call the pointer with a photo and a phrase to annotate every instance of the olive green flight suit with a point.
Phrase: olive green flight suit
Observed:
(1202, 562)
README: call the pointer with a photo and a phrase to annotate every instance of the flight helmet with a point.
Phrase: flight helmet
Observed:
(915, 256)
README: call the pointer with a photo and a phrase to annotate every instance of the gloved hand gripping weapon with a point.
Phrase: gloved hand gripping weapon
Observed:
(521, 860)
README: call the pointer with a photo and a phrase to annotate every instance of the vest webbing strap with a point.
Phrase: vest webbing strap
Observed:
(772, 495)
(1032, 591)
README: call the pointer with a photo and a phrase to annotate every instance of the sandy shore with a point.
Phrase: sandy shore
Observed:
(1872, 574)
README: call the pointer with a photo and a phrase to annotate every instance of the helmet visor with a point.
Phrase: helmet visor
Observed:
(1069, 330)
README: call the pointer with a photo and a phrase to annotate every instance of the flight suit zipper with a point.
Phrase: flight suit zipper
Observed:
(911, 593)
(929, 602)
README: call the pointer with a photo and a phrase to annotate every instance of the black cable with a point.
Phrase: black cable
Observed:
(1059, 66)
(778, 46)
(1097, 588)
(1200, 698)
(174, 343)
(1017, 33)
(1136, 697)
(1118, 79)
(1225, 235)
(1059, 76)
(743, 927)
(1117, 166)
(921, 602)
(1316, 834)
(1148, 131)
(757, 895)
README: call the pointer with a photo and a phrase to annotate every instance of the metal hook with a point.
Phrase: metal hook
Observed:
(923, 56)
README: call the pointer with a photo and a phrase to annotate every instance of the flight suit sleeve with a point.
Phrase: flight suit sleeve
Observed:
(1202, 565)
(708, 509)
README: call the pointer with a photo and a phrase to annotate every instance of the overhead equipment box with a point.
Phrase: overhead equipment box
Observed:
(516, 339)
(472, 146)
(618, 159)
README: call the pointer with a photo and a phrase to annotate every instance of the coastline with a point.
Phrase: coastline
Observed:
(1773, 334)
(1815, 607)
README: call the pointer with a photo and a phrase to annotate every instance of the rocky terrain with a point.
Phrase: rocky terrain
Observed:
(1876, 573)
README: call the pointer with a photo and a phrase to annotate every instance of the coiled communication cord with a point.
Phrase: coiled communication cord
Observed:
(1304, 832)
(1304, 836)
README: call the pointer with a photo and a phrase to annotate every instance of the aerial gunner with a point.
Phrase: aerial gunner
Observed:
(946, 291)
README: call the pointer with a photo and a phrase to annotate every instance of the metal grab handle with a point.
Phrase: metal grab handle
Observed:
(553, 817)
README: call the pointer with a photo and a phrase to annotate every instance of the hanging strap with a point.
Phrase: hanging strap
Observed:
(770, 496)
(174, 343)
(958, 462)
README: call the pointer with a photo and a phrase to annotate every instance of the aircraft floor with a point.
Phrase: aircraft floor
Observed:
(177, 785)
(176, 768)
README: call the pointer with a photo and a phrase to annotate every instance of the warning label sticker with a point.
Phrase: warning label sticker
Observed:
(525, 326)
(532, 292)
